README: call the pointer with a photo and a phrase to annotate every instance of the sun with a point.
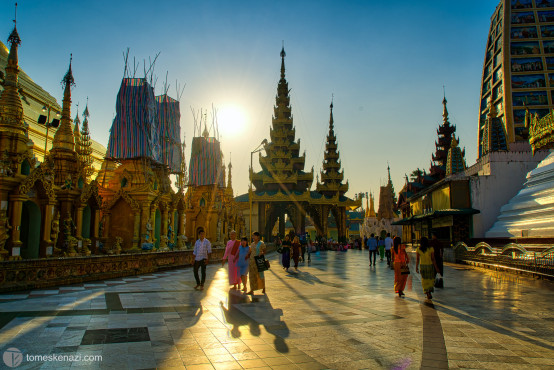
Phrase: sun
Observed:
(231, 120)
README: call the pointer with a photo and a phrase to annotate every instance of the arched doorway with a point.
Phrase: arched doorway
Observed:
(157, 227)
(30, 230)
(85, 225)
(122, 223)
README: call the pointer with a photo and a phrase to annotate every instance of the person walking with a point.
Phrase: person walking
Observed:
(309, 247)
(401, 261)
(372, 246)
(303, 250)
(257, 279)
(230, 255)
(388, 246)
(243, 262)
(425, 263)
(285, 253)
(439, 258)
(202, 251)
(296, 251)
(381, 245)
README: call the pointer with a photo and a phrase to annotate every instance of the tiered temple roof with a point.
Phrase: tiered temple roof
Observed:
(331, 175)
(282, 167)
(445, 134)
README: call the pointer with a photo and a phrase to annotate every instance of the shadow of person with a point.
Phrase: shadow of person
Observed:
(254, 312)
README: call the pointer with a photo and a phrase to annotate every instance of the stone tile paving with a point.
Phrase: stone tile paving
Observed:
(335, 313)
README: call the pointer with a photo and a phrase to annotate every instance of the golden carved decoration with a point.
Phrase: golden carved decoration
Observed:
(37, 174)
(122, 194)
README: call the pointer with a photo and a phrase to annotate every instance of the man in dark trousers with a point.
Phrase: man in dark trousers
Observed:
(202, 252)
(439, 253)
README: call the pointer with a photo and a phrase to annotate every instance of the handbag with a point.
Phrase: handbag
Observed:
(267, 265)
(260, 263)
(405, 269)
(439, 282)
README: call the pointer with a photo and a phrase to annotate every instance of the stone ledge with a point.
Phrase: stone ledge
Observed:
(42, 273)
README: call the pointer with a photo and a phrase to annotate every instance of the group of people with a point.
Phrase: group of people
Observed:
(241, 259)
(429, 262)
(292, 249)
(379, 245)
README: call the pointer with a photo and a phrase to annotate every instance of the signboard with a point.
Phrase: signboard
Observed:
(445, 221)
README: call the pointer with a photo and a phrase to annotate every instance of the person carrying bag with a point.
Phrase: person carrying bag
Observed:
(257, 264)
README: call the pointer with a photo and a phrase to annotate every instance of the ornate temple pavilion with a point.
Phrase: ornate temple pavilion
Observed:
(283, 186)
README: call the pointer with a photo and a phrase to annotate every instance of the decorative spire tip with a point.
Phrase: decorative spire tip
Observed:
(68, 79)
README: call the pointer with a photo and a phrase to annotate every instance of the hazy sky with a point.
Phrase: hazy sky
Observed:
(385, 62)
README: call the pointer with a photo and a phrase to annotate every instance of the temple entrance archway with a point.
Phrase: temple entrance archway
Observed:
(86, 223)
(30, 230)
(122, 223)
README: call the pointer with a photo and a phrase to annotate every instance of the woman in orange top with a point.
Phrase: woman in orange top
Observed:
(400, 258)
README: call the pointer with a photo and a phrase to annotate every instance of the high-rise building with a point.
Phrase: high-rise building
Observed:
(518, 72)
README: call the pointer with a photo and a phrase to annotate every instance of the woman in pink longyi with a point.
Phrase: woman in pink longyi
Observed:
(231, 252)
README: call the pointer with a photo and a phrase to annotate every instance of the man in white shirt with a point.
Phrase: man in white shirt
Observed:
(388, 246)
(202, 252)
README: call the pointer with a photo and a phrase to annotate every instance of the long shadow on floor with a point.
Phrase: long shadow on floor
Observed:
(265, 314)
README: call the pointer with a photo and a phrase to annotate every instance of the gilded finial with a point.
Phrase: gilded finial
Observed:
(14, 38)
(85, 113)
(331, 120)
(444, 109)
(68, 80)
(283, 55)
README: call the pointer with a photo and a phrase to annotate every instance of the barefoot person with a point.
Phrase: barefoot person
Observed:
(401, 259)
(285, 254)
(427, 265)
(257, 280)
(230, 255)
(202, 252)
(296, 249)
(243, 261)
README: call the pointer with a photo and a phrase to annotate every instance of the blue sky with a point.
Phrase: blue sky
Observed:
(384, 62)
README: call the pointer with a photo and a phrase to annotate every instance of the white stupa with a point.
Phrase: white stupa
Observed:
(531, 212)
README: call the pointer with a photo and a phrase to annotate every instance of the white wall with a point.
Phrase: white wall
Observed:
(494, 180)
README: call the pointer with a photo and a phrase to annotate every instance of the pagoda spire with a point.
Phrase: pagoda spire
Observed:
(85, 144)
(63, 139)
(444, 111)
(331, 174)
(371, 212)
(230, 178)
(445, 134)
(11, 108)
(282, 165)
(76, 133)
(283, 55)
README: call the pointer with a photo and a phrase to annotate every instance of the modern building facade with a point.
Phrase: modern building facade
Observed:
(518, 71)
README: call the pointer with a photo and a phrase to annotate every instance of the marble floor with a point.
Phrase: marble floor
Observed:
(334, 313)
